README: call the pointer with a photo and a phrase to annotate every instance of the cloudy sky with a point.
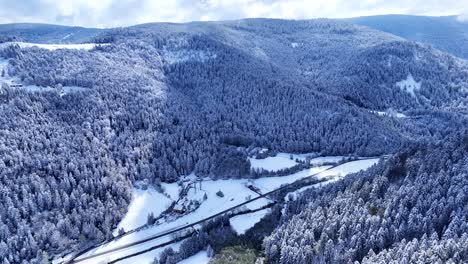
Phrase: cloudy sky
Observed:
(109, 13)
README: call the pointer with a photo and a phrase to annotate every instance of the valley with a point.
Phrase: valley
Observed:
(283, 141)
(237, 201)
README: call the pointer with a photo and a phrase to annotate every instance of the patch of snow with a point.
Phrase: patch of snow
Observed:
(171, 189)
(143, 202)
(242, 223)
(267, 184)
(326, 159)
(287, 160)
(409, 85)
(148, 257)
(199, 258)
(86, 46)
(263, 150)
(347, 168)
(390, 114)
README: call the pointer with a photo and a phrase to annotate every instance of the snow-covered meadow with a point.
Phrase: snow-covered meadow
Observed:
(409, 85)
(287, 160)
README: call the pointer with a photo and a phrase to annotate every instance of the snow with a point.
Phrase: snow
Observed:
(143, 202)
(389, 113)
(86, 46)
(267, 184)
(147, 257)
(326, 159)
(409, 85)
(347, 168)
(235, 192)
(283, 161)
(242, 223)
(272, 163)
(199, 258)
(335, 174)
(172, 190)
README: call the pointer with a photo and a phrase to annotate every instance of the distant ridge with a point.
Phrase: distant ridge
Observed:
(46, 33)
(446, 33)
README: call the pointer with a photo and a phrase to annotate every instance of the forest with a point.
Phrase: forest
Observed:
(165, 100)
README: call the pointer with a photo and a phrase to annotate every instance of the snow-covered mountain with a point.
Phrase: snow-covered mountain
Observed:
(45, 33)
(153, 102)
(449, 33)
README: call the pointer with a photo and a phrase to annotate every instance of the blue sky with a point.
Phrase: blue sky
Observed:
(110, 13)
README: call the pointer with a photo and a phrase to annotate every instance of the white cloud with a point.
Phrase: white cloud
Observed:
(109, 13)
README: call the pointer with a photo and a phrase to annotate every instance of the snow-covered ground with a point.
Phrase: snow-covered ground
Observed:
(409, 85)
(326, 159)
(288, 160)
(242, 223)
(276, 163)
(267, 184)
(86, 46)
(172, 190)
(295, 44)
(335, 174)
(235, 191)
(347, 168)
(143, 202)
(199, 258)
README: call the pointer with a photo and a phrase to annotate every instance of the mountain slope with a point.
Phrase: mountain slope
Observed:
(403, 210)
(44, 33)
(445, 33)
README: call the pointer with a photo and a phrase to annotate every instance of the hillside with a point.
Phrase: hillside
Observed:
(445, 33)
(403, 210)
(154, 102)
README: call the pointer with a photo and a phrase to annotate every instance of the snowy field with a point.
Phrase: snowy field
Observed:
(409, 85)
(235, 191)
(199, 258)
(335, 174)
(276, 163)
(143, 202)
(347, 168)
(287, 160)
(267, 184)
